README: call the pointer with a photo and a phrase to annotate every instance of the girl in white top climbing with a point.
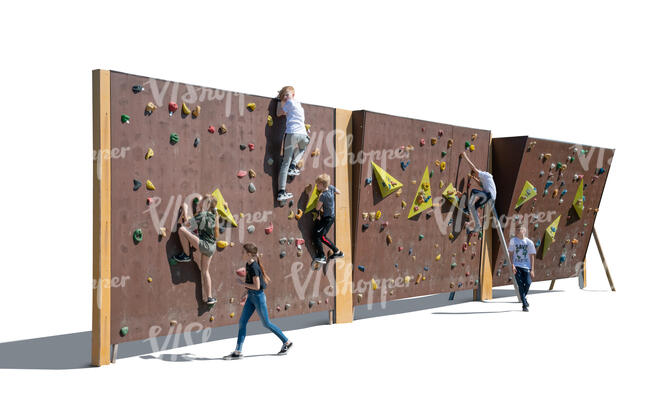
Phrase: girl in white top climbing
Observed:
(296, 138)
(479, 198)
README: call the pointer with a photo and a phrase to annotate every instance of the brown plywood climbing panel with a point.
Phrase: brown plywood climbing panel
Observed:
(396, 256)
(200, 142)
(554, 187)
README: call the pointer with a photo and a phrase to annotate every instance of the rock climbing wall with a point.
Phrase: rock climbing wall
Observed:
(538, 181)
(396, 256)
(152, 295)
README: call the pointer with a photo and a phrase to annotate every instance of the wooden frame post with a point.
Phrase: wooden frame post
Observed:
(343, 274)
(602, 258)
(101, 218)
(484, 291)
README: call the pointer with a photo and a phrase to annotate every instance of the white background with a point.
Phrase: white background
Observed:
(571, 71)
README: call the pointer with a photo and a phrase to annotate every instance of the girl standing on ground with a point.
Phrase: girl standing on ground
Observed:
(204, 245)
(256, 281)
(295, 138)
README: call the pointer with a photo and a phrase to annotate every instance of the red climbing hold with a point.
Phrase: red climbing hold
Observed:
(211, 129)
(242, 173)
(400, 248)
(268, 229)
(300, 241)
(251, 146)
(149, 200)
(241, 272)
(421, 141)
(172, 107)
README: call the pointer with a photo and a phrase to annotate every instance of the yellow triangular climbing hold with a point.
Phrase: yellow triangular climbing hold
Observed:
(549, 234)
(222, 207)
(387, 183)
(422, 199)
(185, 109)
(150, 185)
(578, 200)
(313, 199)
(529, 191)
(450, 194)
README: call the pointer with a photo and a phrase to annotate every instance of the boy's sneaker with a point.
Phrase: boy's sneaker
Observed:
(233, 356)
(285, 348)
(336, 255)
(293, 172)
(283, 195)
(320, 259)
(182, 258)
(211, 301)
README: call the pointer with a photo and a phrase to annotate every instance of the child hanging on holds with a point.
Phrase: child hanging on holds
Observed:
(204, 245)
(479, 198)
(296, 138)
(326, 208)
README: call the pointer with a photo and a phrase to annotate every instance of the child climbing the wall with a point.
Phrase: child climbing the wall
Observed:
(523, 262)
(296, 138)
(325, 207)
(479, 198)
(255, 283)
(204, 245)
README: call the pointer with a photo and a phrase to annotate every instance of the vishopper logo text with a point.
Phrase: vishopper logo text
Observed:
(177, 92)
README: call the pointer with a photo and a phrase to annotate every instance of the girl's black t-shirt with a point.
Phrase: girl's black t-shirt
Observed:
(253, 269)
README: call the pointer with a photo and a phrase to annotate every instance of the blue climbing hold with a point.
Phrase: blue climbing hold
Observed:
(549, 183)
(404, 164)
(426, 268)
(362, 268)
(368, 180)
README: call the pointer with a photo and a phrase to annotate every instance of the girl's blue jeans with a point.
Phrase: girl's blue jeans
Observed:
(256, 300)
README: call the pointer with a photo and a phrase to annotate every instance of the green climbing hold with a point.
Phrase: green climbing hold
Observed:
(453, 264)
(420, 236)
(430, 173)
(443, 153)
(467, 144)
(172, 261)
(124, 331)
(137, 236)
(173, 138)
(125, 119)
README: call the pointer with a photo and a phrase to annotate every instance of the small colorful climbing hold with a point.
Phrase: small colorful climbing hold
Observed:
(173, 138)
(150, 185)
(124, 331)
(125, 119)
(136, 185)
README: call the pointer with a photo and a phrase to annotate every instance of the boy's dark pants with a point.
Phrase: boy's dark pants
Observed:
(321, 227)
(523, 281)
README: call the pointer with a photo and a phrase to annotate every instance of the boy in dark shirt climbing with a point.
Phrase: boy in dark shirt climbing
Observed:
(323, 224)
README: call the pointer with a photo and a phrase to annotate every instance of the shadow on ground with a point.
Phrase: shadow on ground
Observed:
(72, 351)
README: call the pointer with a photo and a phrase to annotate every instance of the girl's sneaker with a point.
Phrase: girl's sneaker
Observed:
(293, 172)
(285, 348)
(211, 301)
(283, 195)
(233, 356)
(182, 258)
(320, 259)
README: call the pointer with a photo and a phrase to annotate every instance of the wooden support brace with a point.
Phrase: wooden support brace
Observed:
(602, 258)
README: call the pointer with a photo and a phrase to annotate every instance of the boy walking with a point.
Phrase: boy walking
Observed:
(327, 215)
(523, 262)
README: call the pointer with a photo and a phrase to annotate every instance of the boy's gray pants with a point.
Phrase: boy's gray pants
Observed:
(294, 148)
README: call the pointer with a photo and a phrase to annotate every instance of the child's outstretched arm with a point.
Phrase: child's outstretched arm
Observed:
(464, 155)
